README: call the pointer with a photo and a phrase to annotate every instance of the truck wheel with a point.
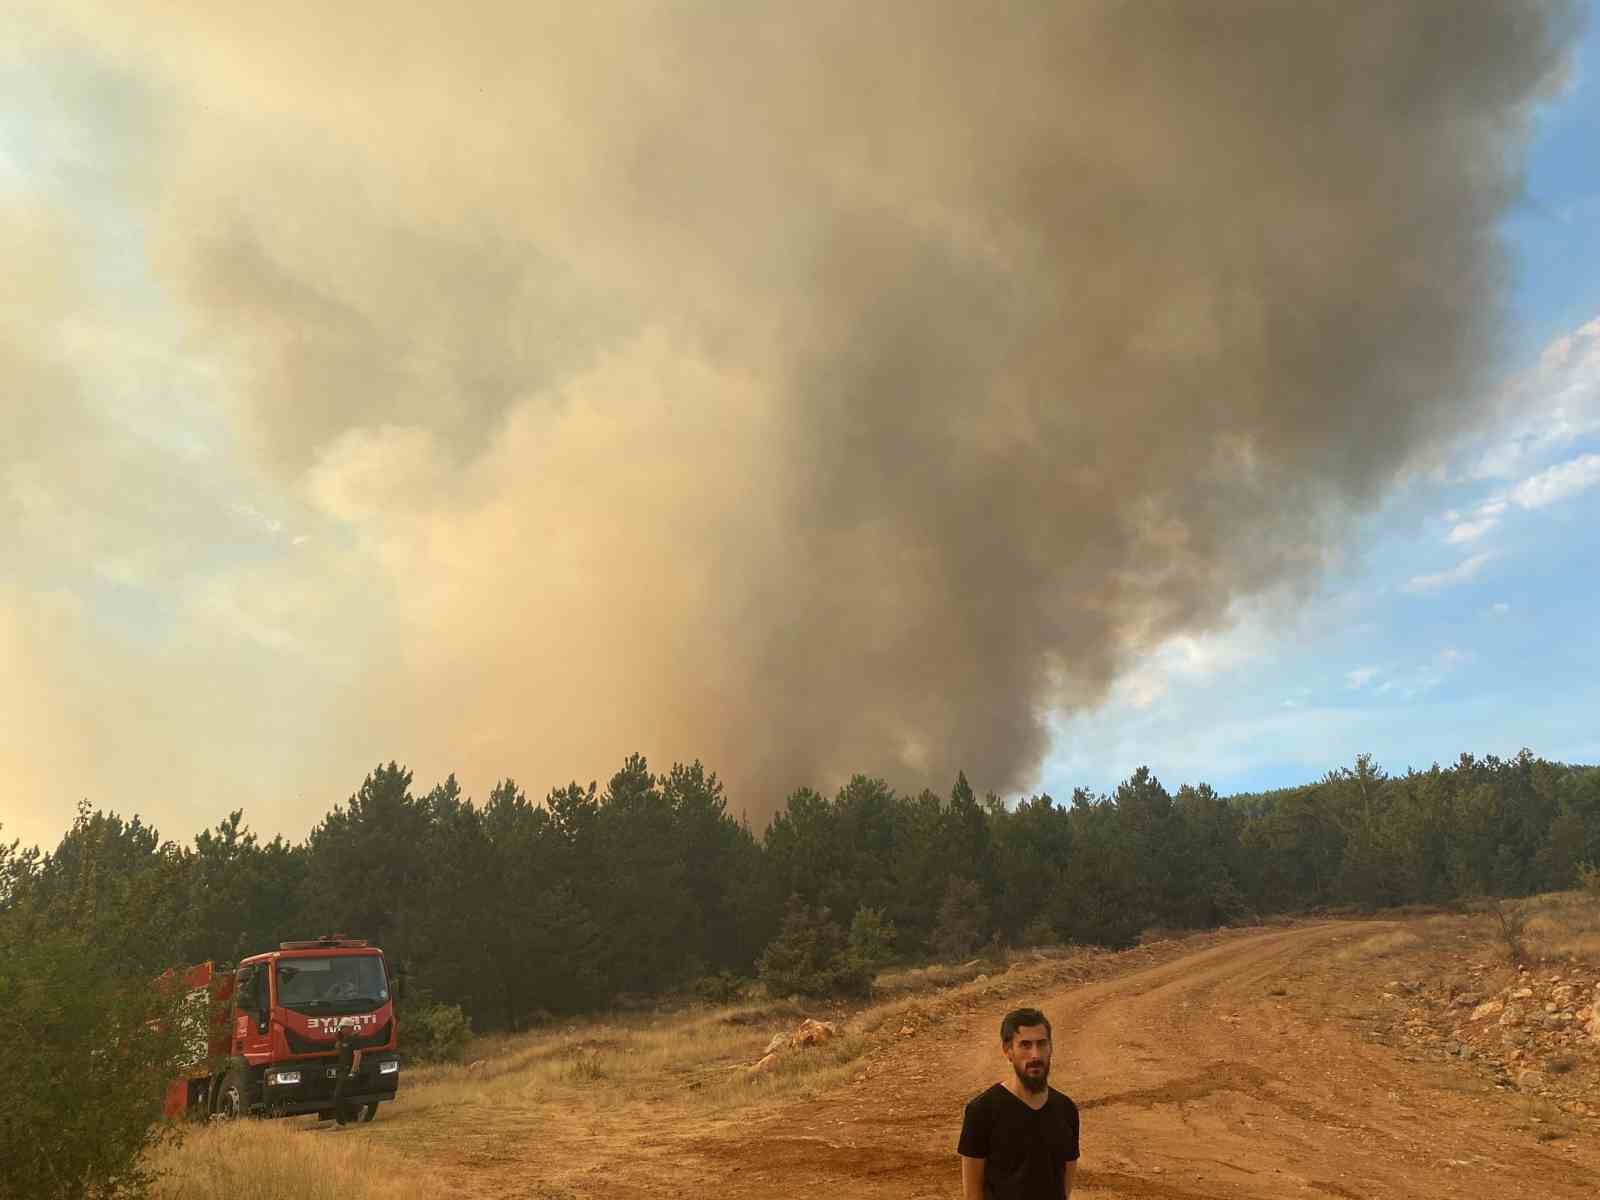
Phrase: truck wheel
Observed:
(368, 1111)
(230, 1102)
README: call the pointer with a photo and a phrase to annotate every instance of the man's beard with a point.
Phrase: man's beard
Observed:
(1032, 1083)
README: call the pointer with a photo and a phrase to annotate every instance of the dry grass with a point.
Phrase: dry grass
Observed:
(909, 980)
(694, 1062)
(1562, 926)
(1381, 945)
(700, 1055)
(275, 1160)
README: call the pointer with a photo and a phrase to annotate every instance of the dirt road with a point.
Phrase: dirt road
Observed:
(1237, 1071)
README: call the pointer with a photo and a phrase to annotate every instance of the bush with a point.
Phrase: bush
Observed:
(722, 988)
(89, 1053)
(871, 940)
(1228, 904)
(811, 956)
(434, 1032)
(1510, 922)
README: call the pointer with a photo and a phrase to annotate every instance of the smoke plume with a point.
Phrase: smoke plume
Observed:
(825, 387)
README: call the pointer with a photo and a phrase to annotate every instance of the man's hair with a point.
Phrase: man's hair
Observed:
(1019, 1017)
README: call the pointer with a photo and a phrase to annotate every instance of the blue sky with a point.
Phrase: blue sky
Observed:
(1420, 647)
(300, 476)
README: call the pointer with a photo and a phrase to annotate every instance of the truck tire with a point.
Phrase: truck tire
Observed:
(368, 1111)
(231, 1103)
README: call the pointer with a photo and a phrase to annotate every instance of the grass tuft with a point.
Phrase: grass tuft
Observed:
(1380, 945)
(277, 1160)
(1562, 926)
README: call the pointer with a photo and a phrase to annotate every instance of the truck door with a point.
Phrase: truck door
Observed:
(251, 1012)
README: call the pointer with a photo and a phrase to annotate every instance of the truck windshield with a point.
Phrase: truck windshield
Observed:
(342, 981)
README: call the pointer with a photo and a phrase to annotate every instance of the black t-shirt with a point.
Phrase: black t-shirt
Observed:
(1026, 1149)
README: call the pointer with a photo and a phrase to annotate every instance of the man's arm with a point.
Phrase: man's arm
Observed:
(1066, 1179)
(972, 1178)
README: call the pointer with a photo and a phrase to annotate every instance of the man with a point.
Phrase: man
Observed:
(349, 1063)
(1019, 1139)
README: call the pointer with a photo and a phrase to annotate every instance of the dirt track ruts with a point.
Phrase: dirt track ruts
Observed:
(1235, 1071)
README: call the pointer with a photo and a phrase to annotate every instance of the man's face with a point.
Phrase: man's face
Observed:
(1029, 1052)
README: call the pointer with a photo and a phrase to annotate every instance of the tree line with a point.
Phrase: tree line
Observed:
(516, 909)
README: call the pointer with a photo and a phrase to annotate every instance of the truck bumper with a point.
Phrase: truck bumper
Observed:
(314, 1092)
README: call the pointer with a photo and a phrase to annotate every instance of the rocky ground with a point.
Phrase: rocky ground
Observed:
(1532, 1028)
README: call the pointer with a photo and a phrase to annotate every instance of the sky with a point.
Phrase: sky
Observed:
(1041, 393)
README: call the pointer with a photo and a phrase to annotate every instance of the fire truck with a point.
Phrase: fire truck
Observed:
(262, 1033)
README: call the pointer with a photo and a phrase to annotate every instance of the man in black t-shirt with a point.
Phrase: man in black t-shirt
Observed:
(1019, 1139)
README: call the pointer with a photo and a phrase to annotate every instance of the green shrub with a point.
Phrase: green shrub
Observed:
(88, 1053)
(434, 1032)
(871, 940)
(812, 956)
(722, 988)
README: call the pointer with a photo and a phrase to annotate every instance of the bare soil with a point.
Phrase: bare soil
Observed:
(1256, 1063)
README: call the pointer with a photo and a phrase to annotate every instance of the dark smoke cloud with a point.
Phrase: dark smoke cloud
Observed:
(831, 387)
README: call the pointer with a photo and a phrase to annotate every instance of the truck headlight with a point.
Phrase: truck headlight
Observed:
(286, 1077)
(389, 1067)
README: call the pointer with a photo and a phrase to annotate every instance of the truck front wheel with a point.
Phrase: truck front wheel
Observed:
(368, 1111)
(230, 1104)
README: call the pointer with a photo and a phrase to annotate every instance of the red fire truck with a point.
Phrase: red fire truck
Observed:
(264, 1032)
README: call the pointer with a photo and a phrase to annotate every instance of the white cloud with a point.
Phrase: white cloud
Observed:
(1553, 404)
(1470, 531)
(1499, 608)
(1196, 657)
(1440, 580)
(1360, 677)
(1483, 518)
(1558, 482)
